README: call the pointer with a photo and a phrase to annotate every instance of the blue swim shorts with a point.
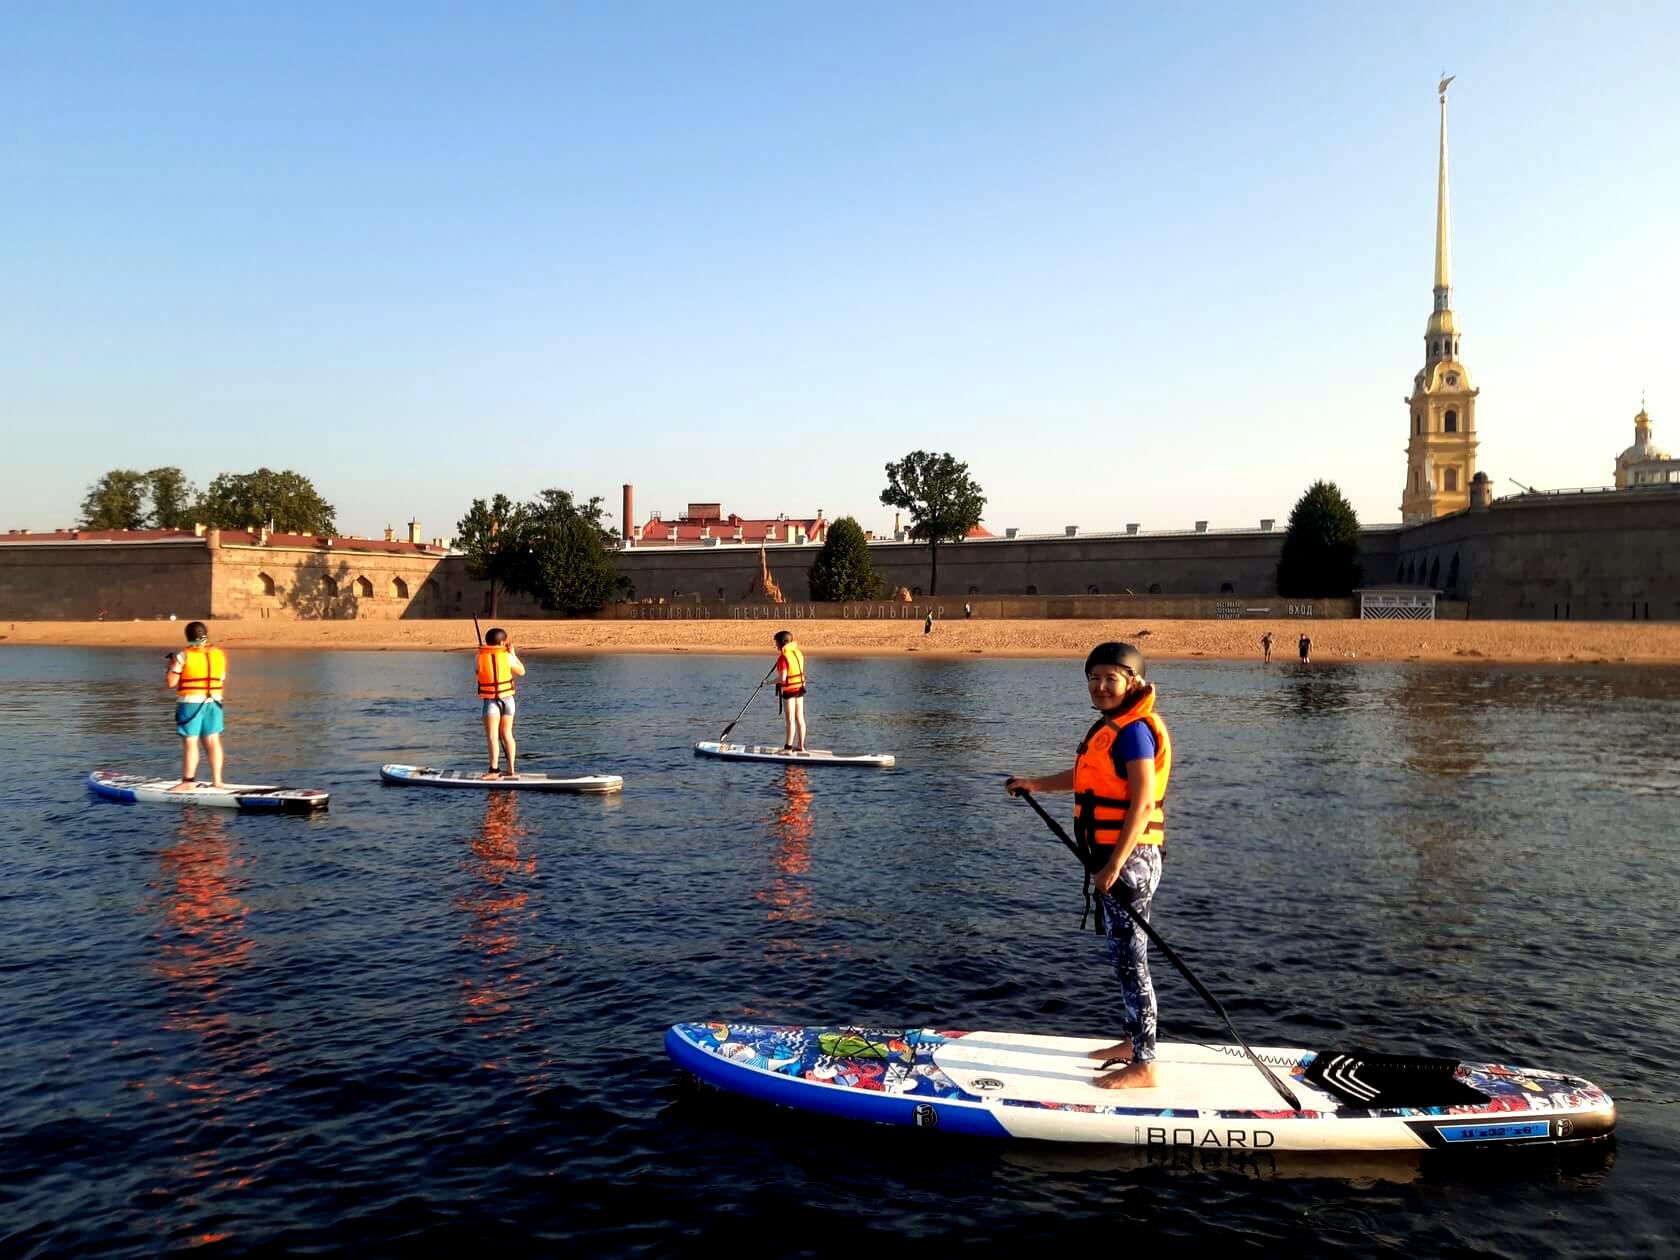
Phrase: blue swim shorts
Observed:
(198, 717)
(499, 708)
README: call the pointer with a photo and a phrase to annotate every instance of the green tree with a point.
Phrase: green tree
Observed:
(942, 499)
(116, 501)
(284, 500)
(842, 569)
(172, 499)
(561, 560)
(1321, 548)
(492, 537)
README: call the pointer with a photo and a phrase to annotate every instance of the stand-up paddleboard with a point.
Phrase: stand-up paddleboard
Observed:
(250, 796)
(425, 776)
(1017, 1085)
(769, 752)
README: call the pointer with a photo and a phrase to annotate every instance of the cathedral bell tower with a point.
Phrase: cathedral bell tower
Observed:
(1441, 455)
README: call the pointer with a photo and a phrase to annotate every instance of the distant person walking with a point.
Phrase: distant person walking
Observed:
(1266, 646)
(927, 625)
(196, 675)
(1306, 650)
(968, 610)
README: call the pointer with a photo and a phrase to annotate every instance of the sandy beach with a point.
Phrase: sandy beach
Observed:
(1507, 641)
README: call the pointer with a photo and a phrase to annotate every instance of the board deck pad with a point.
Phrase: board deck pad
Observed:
(773, 752)
(253, 797)
(1023, 1085)
(525, 780)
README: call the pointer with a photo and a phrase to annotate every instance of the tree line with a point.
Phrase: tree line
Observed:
(556, 550)
(286, 502)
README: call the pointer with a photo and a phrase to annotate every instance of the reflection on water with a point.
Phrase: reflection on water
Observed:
(496, 1002)
(201, 943)
(1426, 859)
(787, 899)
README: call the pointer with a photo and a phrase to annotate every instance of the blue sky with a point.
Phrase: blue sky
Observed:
(1155, 264)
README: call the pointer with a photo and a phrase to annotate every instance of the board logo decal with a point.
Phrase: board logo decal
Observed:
(985, 1084)
(925, 1116)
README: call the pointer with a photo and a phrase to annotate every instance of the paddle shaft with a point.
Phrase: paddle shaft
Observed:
(750, 699)
(1093, 866)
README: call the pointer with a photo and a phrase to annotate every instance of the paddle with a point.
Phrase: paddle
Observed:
(1155, 938)
(750, 699)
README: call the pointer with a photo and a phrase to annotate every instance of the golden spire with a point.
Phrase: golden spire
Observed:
(1443, 216)
(1441, 321)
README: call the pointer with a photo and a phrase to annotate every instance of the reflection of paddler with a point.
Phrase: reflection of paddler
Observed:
(203, 903)
(789, 895)
(496, 859)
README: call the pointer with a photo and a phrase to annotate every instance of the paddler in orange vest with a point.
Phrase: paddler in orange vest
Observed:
(1124, 760)
(195, 676)
(790, 689)
(497, 668)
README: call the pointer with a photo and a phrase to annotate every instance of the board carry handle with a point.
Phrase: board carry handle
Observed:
(750, 699)
(1155, 939)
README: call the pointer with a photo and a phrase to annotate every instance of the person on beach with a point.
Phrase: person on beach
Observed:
(498, 666)
(196, 675)
(927, 625)
(1306, 650)
(1125, 757)
(789, 671)
(1266, 646)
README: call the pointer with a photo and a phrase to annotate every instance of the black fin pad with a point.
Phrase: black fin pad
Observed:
(1381, 1081)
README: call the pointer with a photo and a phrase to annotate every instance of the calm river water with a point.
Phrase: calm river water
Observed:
(429, 1020)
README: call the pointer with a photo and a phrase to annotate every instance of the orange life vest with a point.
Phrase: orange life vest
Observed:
(495, 677)
(795, 680)
(1102, 794)
(202, 671)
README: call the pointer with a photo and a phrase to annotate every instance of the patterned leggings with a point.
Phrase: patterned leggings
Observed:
(1128, 947)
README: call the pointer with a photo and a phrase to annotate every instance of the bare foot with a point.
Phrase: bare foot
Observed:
(1119, 1050)
(1132, 1076)
(185, 785)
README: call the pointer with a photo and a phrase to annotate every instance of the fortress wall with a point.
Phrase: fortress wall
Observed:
(1602, 556)
(119, 581)
(1612, 555)
(1201, 564)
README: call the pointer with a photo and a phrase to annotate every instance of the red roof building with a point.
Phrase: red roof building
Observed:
(705, 523)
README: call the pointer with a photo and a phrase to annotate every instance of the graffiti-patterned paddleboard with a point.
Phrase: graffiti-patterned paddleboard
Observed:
(1017, 1085)
(769, 752)
(257, 798)
(425, 776)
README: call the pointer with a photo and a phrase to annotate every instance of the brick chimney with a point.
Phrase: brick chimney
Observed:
(628, 522)
(414, 531)
(390, 534)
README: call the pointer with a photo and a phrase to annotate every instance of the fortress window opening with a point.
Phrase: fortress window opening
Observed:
(265, 584)
(364, 588)
(328, 585)
(399, 588)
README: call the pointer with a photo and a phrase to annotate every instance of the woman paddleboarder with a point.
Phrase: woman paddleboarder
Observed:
(1119, 781)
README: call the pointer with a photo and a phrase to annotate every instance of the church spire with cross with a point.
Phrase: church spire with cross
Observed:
(1441, 453)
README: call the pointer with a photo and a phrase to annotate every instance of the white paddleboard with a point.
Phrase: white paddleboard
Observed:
(425, 776)
(770, 752)
(256, 797)
(1019, 1085)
